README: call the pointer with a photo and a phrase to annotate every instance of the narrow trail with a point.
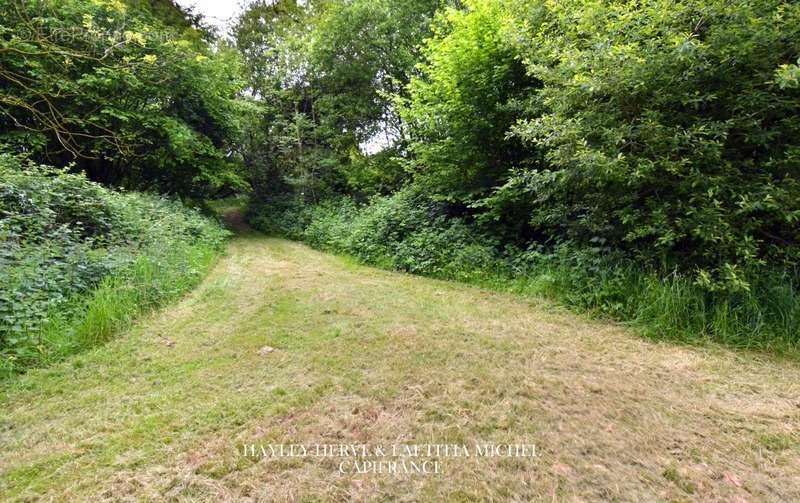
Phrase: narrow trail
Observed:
(282, 344)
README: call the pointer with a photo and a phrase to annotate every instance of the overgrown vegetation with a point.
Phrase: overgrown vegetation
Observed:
(666, 132)
(407, 232)
(635, 158)
(640, 159)
(324, 76)
(79, 260)
(132, 91)
(130, 94)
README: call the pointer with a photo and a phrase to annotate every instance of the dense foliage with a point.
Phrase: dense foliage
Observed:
(644, 154)
(631, 143)
(463, 105)
(405, 231)
(64, 237)
(408, 231)
(671, 138)
(324, 76)
(658, 128)
(133, 92)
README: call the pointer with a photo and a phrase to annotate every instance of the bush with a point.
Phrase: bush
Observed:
(402, 232)
(665, 129)
(64, 237)
(382, 226)
(463, 103)
(674, 306)
(282, 215)
(407, 232)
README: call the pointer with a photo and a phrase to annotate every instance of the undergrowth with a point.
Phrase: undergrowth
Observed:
(80, 261)
(408, 232)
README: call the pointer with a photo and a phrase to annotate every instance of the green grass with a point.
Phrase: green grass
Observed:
(221, 206)
(767, 319)
(160, 275)
(394, 234)
(152, 281)
(80, 261)
(362, 355)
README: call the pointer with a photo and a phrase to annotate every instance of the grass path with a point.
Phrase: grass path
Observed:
(368, 356)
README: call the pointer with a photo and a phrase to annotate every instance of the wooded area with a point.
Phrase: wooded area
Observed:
(636, 159)
(636, 162)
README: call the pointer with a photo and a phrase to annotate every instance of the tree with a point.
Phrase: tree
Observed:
(332, 67)
(132, 93)
(463, 104)
(363, 53)
(667, 129)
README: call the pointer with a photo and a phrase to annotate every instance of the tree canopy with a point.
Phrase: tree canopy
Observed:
(663, 130)
(134, 93)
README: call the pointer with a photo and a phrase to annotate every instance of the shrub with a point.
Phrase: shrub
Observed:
(643, 155)
(665, 129)
(64, 236)
(463, 103)
(670, 131)
(282, 215)
(673, 306)
(402, 231)
(407, 232)
(385, 223)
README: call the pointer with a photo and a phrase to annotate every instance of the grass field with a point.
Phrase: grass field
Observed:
(285, 345)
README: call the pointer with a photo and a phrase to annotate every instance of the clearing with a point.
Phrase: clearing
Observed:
(364, 356)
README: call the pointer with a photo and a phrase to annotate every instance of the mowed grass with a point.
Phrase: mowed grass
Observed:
(368, 356)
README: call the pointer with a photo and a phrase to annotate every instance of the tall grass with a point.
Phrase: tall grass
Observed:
(398, 232)
(765, 318)
(159, 276)
(155, 278)
(80, 261)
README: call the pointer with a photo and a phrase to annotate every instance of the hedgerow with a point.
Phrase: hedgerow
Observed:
(668, 130)
(68, 241)
(409, 232)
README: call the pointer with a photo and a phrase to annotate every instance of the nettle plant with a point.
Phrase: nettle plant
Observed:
(63, 235)
(53, 226)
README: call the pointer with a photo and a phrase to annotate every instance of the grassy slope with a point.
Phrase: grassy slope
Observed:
(364, 355)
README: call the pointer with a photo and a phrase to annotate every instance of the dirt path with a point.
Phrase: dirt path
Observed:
(363, 356)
